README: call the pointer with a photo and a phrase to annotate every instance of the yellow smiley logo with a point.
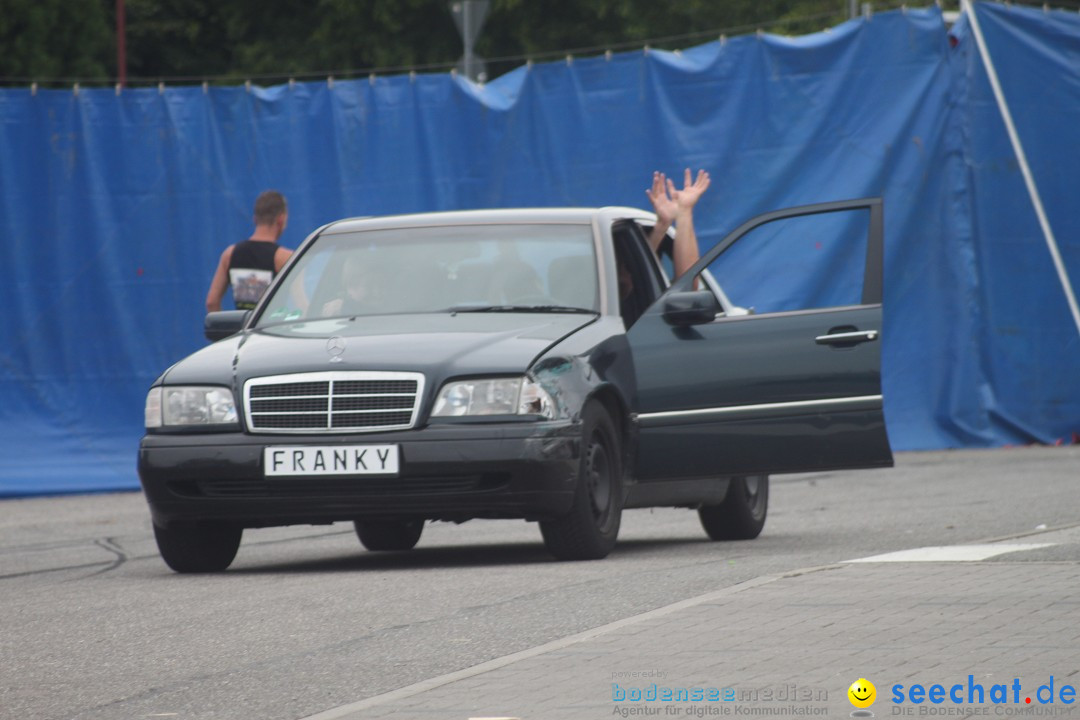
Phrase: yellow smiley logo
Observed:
(862, 693)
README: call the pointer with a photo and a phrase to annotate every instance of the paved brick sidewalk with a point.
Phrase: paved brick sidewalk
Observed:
(789, 646)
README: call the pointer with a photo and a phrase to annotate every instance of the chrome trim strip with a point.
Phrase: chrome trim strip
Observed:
(320, 397)
(795, 313)
(264, 413)
(872, 400)
(331, 377)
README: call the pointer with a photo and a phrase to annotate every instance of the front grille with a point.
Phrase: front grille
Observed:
(290, 405)
(290, 389)
(345, 421)
(333, 402)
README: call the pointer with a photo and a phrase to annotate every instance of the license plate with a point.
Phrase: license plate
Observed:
(330, 460)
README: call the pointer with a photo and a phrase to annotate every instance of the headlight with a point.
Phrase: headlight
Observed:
(497, 396)
(189, 406)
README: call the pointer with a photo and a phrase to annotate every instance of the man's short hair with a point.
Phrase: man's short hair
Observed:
(268, 206)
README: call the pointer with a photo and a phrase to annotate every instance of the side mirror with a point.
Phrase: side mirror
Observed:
(694, 307)
(222, 324)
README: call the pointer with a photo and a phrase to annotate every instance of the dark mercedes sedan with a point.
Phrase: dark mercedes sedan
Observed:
(534, 364)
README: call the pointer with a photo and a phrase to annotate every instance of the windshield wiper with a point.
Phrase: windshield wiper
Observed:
(520, 309)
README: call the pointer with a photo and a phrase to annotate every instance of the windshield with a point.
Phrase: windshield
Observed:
(521, 268)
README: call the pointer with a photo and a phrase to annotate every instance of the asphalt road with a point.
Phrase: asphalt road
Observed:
(95, 626)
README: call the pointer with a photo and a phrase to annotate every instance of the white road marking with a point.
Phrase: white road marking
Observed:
(353, 710)
(952, 553)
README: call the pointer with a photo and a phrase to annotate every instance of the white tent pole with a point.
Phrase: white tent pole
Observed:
(1021, 158)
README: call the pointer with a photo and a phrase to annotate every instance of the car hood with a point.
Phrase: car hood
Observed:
(438, 345)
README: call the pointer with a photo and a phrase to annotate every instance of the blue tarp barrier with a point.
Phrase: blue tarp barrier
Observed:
(115, 207)
(1016, 371)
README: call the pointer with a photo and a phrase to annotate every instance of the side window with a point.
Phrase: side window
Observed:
(664, 252)
(638, 278)
(801, 263)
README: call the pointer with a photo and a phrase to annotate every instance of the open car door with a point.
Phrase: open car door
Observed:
(794, 386)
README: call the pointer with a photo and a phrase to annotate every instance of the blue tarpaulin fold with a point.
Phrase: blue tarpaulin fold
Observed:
(116, 206)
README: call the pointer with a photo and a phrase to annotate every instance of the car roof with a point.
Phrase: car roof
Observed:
(568, 215)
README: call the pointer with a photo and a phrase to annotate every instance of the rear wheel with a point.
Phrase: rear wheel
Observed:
(741, 515)
(191, 548)
(589, 530)
(389, 534)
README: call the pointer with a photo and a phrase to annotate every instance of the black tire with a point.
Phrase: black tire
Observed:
(379, 535)
(191, 548)
(589, 530)
(742, 514)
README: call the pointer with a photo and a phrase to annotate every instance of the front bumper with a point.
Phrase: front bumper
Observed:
(448, 472)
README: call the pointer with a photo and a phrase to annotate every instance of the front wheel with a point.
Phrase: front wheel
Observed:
(741, 515)
(389, 534)
(589, 530)
(191, 548)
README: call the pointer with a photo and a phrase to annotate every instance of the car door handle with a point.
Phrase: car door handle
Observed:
(847, 338)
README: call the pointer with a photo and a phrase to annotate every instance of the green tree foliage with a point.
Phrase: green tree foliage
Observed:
(55, 38)
(526, 27)
(282, 38)
(178, 38)
(229, 40)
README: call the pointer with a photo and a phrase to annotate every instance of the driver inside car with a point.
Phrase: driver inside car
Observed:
(361, 289)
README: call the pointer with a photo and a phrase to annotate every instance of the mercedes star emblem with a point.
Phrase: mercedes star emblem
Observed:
(335, 346)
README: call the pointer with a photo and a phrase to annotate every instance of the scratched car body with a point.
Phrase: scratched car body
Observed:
(534, 364)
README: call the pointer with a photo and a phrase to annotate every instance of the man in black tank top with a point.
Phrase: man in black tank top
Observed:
(249, 266)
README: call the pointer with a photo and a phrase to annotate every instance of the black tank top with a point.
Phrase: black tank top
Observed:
(251, 268)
